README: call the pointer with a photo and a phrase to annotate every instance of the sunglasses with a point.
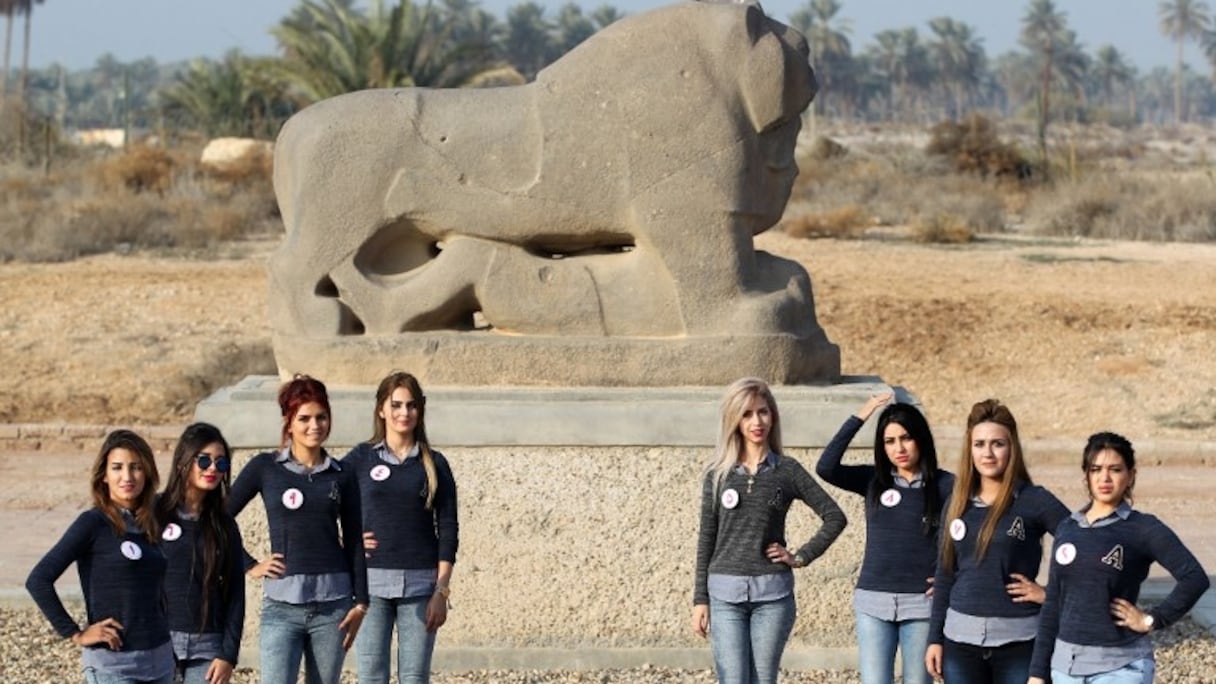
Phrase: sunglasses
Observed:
(205, 461)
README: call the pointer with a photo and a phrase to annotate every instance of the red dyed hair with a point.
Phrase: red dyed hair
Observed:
(302, 389)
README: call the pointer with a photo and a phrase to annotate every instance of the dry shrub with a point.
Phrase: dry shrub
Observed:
(1157, 207)
(895, 190)
(840, 222)
(973, 146)
(139, 168)
(941, 228)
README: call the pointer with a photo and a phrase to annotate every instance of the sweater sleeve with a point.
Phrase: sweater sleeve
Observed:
(1053, 511)
(1049, 624)
(447, 527)
(855, 479)
(707, 539)
(943, 582)
(72, 547)
(234, 613)
(248, 485)
(1168, 550)
(351, 516)
(834, 520)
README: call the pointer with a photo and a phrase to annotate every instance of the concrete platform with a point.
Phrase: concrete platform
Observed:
(248, 413)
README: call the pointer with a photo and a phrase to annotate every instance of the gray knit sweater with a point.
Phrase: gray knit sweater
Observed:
(733, 538)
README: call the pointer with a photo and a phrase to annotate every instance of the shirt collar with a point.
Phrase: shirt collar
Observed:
(1122, 512)
(295, 466)
(918, 480)
(386, 454)
(767, 463)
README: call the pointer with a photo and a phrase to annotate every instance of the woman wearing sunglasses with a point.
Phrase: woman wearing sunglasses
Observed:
(206, 578)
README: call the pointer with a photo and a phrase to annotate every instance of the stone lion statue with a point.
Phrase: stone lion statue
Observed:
(614, 197)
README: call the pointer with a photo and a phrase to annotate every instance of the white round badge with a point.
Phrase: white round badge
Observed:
(958, 529)
(1066, 554)
(891, 498)
(380, 473)
(172, 532)
(131, 550)
(293, 498)
(730, 498)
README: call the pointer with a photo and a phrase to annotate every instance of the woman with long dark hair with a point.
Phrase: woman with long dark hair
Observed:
(904, 491)
(985, 595)
(206, 577)
(410, 533)
(743, 591)
(315, 580)
(1091, 630)
(115, 548)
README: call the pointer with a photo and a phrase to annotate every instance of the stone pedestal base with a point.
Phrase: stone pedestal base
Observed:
(547, 416)
(494, 359)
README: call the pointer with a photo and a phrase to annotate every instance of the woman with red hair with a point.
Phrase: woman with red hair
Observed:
(315, 580)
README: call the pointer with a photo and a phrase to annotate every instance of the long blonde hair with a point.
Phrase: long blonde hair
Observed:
(967, 483)
(730, 443)
(387, 386)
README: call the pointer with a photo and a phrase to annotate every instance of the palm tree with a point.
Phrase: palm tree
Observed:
(27, 7)
(904, 62)
(1182, 20)
(958, 55)
(572, 27)
(236, 96)
(332, 48)
(1042, 31)
(9, 8)
(1109, 69)
(605, 15)
(529, 41)
(828, 38)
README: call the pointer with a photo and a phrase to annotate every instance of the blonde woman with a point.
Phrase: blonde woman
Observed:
(410, 533)
(743, 596)
(985, 597)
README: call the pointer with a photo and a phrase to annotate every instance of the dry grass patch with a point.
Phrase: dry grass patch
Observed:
(1156, 207)
(941, 229)
(840, 222)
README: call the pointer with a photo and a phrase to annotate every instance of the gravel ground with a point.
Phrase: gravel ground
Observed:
(30, 652)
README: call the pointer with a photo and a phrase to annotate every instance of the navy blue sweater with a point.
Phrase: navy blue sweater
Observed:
(899, 558)
(1105, 563)
(182, 547)
(978, 587)
(394, 508)
(308, 535)
(121, 577)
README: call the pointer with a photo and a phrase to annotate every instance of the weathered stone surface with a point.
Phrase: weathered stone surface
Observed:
(592, 228)
(223, 153)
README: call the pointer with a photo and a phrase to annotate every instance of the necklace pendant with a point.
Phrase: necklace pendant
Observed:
(750, 480)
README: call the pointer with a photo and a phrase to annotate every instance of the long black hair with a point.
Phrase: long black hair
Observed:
(912, 420)
(212, 521)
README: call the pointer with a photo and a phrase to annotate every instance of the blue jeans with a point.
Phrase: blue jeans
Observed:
(876, 643)
(373, 645)
(95, 676)
(194, 671)
(1136, 672)
(747, 638)
(968, 664)
(308, 630)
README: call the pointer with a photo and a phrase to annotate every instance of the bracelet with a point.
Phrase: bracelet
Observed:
(361, 608)
(443, 590)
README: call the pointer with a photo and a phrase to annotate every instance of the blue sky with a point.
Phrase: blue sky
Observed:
(76, 32)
